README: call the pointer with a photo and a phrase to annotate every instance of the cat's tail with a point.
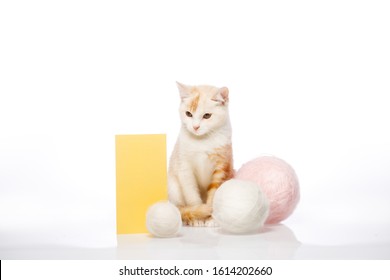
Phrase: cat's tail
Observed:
(198, 212)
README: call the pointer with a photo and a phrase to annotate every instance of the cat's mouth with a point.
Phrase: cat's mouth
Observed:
(198, 133)
(195, 132)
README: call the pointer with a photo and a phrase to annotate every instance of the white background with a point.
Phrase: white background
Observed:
(309, 82)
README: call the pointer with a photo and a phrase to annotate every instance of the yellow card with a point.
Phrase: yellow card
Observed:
(141, 179)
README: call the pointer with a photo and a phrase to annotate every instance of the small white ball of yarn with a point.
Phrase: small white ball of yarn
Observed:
(240, 206)
(163, 219)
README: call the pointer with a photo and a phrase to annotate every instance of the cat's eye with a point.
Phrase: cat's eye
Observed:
(207, 116)
(188, 114)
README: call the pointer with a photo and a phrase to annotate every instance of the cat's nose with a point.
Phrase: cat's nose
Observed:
(196, 127)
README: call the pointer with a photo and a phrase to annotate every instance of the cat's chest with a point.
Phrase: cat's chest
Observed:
(198, 155)
(203, 169)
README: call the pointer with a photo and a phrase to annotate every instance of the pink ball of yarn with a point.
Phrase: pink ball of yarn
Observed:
(278, 181)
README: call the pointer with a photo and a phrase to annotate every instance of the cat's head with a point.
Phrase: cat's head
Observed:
(203, 109)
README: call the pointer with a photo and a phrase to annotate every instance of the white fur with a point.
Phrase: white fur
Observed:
(190, 169)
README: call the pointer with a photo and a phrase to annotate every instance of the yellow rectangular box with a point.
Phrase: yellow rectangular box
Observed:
(141, 179)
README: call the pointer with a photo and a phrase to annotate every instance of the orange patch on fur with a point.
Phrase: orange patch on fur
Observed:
(198, 212)
(194, 103)
(223, 160)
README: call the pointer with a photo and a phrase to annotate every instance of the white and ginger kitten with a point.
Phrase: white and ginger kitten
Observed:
(202, 158)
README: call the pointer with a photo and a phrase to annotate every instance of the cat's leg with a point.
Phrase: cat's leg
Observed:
(189, 187)
(201, 215)
(210, 222)
(175, 194)
(223, 172)
(190, 214)
(195, 212)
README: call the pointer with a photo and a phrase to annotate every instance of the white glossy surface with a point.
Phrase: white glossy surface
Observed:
(273, 242)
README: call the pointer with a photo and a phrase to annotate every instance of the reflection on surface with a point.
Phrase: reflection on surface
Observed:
(273, 242)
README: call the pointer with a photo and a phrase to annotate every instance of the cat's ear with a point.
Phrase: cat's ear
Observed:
(183, 90)
(222, 96)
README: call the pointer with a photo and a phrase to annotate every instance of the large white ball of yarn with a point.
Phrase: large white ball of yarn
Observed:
(163, 219)
(240, 206)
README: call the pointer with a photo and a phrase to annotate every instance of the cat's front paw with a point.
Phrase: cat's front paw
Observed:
(196, 223)
(211, 223)
(202, 223)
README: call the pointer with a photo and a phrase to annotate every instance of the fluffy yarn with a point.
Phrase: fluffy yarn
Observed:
(239, 206)
(163, 219)
(277, 180)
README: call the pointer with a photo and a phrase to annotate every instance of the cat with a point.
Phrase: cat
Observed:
(202, 157)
